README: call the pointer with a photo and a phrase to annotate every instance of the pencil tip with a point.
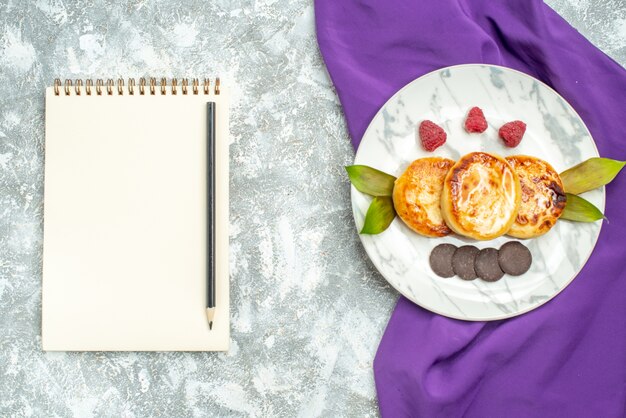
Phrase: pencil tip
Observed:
(210, 312)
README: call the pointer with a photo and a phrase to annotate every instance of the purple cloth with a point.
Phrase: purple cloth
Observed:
(567, 358)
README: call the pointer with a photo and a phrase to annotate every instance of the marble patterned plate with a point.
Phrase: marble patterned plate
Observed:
(555, 133)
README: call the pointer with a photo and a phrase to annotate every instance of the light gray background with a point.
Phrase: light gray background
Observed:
(308, 309)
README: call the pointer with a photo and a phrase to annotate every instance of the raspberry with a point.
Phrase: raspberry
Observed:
(476, 121)
(431, 135)
(512, 133)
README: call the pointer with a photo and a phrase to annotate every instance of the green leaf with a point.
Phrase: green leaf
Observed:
(580, 210)
(590, 174)
(379, 215)
(370, 181)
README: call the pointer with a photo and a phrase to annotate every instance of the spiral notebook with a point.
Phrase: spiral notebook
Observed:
(125, 216)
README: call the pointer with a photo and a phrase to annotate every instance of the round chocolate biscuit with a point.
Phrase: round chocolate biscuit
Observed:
(463, 262)
(441, 260)
(514, 258)
(486, 265)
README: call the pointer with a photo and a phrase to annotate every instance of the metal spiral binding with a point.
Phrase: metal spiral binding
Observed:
(108, 86)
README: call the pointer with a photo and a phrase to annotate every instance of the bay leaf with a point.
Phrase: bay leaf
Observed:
(370, 180)
(379, 215)
(580, 210)
(590, 174)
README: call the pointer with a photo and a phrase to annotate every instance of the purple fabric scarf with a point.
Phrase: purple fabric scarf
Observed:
(567, 358)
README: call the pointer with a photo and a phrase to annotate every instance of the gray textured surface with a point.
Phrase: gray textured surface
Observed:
(308, 308)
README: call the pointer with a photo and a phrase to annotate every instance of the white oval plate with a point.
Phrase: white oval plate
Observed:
(554, 133)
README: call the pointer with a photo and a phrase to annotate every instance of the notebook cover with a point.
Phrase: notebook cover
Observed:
(124, 258)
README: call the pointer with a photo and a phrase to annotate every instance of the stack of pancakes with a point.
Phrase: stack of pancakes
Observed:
(481, 196)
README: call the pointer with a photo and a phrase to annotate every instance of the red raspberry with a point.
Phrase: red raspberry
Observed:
(512, 133)
(431, 135)
(476, 121)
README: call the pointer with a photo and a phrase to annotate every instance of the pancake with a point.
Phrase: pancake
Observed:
(417, 193)
(481, 196)
(543, 198)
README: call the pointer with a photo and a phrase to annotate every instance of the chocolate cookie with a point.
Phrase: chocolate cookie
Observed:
(441, 260)
(486, 265)
(463, 262)
(514, 258)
